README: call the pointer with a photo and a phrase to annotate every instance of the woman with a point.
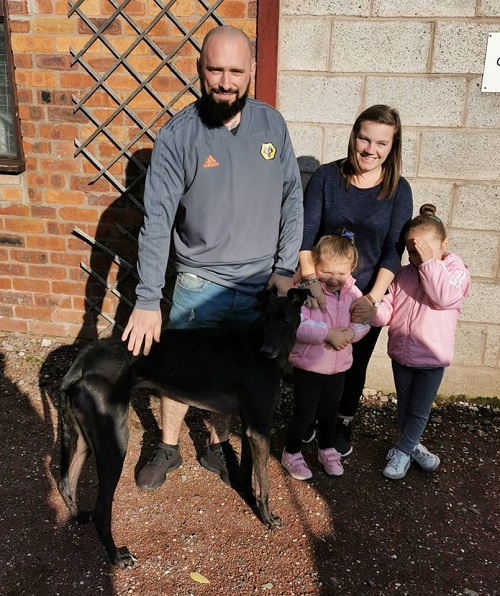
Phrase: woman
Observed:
(366, 194)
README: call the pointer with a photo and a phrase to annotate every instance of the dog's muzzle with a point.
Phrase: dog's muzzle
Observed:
(269, 353)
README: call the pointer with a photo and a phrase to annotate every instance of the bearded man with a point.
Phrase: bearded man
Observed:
(224, 181)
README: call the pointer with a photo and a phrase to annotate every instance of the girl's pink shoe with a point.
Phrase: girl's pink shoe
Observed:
(295, 465)
(330, 458)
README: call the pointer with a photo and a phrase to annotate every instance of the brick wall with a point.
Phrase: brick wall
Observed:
(43, 287)
(426, 59)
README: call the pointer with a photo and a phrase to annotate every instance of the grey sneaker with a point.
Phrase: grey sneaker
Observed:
(166, 458)
(398, 464)
(425, 459)
(221, 459)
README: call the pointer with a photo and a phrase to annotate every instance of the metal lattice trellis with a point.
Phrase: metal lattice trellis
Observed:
(141, 59)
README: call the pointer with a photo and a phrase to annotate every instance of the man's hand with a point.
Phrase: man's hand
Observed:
(281, 283)
(143, 326)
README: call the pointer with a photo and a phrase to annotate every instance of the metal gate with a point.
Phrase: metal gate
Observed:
(140, 59)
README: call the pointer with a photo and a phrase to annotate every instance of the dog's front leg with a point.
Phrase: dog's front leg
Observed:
(260, 457)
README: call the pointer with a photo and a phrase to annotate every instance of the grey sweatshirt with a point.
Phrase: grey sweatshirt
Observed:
(232, 202)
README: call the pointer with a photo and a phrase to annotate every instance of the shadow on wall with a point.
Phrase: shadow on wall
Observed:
(111, 272)
(307, 166)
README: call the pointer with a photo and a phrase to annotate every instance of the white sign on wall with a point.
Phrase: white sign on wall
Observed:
(491, 73)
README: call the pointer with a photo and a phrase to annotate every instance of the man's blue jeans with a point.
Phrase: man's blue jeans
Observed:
(416, 390)
(198, 302)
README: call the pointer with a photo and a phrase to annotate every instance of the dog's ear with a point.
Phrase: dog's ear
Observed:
(298, 295)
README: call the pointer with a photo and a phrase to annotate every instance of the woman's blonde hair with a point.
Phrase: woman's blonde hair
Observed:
(393, 165)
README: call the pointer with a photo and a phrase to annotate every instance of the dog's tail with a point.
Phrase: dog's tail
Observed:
(67, 488)
(74, 450)
(66, 423)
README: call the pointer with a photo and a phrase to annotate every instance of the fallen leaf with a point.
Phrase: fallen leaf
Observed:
(197, 577)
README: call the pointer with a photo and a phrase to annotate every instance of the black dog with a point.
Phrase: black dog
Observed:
(224, 371)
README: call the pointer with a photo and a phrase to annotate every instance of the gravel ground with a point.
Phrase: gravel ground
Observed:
(359, 534)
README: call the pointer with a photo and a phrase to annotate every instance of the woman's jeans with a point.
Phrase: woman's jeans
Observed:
(416, 390)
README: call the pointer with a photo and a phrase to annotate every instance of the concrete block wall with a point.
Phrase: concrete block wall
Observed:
(337, 57)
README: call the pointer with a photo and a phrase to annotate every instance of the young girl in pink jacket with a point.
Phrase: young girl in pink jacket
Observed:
(322, 353)
(421, 309)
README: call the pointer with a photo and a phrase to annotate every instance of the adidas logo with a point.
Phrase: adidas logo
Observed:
(210, 162)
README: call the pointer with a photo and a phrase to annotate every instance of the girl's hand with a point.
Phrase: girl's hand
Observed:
(425, 250)
(362, 310)
(339, 337)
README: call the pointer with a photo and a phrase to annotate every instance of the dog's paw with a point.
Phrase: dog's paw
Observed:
(124, 559)
(274, 522)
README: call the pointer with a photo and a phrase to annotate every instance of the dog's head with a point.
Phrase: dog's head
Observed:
(280, 317)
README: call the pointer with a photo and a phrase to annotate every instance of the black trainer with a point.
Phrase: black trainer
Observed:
(166, 458)
(221, 459)
(343, 436)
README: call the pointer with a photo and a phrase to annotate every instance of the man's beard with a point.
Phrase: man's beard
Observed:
(218, 112)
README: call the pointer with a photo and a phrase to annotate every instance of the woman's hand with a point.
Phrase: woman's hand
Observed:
(362, 310)
(318, 300)
(307, 270)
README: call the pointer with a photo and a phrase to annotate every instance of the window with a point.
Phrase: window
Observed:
(11, 154)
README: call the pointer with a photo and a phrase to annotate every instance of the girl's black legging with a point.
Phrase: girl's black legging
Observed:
(355, 377)
(316, 398)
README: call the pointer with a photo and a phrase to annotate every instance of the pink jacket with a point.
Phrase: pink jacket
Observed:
(422, 308)
(310, 352)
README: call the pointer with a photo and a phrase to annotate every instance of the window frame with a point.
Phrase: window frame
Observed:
(11, 164)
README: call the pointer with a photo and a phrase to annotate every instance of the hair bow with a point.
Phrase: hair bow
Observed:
(346, 234)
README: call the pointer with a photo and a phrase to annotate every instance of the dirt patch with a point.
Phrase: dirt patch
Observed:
(358, 534)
